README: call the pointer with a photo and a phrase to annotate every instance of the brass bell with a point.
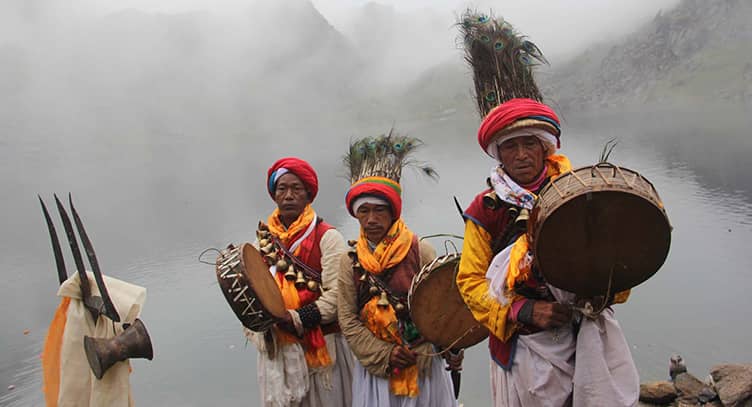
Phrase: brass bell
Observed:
(262, 226)
(263, 242)
(399, 307)
(300, 282)
(271, 258)
(352, 243)
(523, 216)
(383, 301)
(268, 248)
(373, 290)
(312, 285)
(282, 265)
(290, 274)
(363, 278)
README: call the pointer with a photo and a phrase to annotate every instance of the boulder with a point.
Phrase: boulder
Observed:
(691, 389)
(733, 382)
(660, 392)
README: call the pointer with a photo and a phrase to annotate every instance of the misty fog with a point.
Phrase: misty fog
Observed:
(161, 117)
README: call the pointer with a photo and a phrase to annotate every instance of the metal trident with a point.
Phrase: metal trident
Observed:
(95, 304)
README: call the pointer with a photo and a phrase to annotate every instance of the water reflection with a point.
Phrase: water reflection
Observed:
(153, 202)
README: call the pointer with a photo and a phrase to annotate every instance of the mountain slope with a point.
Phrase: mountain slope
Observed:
(699, 51)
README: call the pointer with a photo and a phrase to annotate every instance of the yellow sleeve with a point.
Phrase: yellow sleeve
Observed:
(473, 286)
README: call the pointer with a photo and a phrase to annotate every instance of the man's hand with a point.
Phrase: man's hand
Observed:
(287, 324)
(454, 360)
(401, 357)
(549, 315)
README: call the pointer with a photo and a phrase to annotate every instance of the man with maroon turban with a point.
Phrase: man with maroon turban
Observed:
(304, 360)
(534, 340)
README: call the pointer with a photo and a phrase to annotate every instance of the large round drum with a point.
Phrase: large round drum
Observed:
(599, 229)
(249, 287)
(437, 308)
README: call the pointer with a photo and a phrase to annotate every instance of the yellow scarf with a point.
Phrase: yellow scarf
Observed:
(519, 269)
(382, 321)
(390, 251)
(285, 234)
(316, 356)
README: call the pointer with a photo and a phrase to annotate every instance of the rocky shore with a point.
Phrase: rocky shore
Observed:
(728, 385)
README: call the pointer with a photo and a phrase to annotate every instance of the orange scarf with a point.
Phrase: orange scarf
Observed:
(382, 321)
(519, 263)
(390, 251)
(313, 340)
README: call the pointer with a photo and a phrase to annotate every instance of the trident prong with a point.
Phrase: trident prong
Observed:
(62, 274)
(85, 288)
(109, 308)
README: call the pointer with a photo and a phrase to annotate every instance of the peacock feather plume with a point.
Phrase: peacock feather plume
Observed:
(384, 156)
(501, 59)
(608, 148)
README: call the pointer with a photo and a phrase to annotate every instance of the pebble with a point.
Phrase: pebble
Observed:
(11, 387)
(26, 331)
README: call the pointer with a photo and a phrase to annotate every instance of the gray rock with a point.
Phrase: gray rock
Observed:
(661, 392)
(734, 384)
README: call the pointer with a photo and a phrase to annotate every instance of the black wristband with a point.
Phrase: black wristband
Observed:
(525, 315)
(310, 315)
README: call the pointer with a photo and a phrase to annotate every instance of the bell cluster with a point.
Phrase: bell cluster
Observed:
(374, 288)
(274, 256)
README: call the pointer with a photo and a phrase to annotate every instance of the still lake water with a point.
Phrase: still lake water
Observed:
(152, 202)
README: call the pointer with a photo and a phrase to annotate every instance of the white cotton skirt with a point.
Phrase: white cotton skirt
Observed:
(373, 391)
(332, 387)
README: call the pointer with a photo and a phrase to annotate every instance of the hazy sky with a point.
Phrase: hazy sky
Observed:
(560, 26)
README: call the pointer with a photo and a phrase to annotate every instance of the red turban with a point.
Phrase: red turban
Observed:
(296, 166)
(513, 110)
(380, 187)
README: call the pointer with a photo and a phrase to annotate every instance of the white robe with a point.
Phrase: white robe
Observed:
(543, 371)
(436, 389)
(286, 381)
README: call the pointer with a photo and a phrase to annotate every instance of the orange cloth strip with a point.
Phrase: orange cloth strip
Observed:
(53, 346)
(382, 322)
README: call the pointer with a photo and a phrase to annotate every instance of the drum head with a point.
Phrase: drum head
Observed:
(600, 233)
(261, 281)
(438, 311)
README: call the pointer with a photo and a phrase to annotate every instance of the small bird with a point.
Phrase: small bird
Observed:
(676, 366)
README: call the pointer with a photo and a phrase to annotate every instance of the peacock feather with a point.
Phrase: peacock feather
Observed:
(608, 148)
(501, 59)
(384, 156)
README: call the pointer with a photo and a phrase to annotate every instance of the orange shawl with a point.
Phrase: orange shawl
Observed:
(382, 321)
(313, 340)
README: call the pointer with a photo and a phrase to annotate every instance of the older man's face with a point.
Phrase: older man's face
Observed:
(522, 158)
(291, 197)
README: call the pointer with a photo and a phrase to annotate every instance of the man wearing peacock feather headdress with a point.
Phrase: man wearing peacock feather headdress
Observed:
(533, 336)
(303, 360)
(397, 366)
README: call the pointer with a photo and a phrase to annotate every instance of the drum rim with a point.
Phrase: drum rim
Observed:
(268, 293)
